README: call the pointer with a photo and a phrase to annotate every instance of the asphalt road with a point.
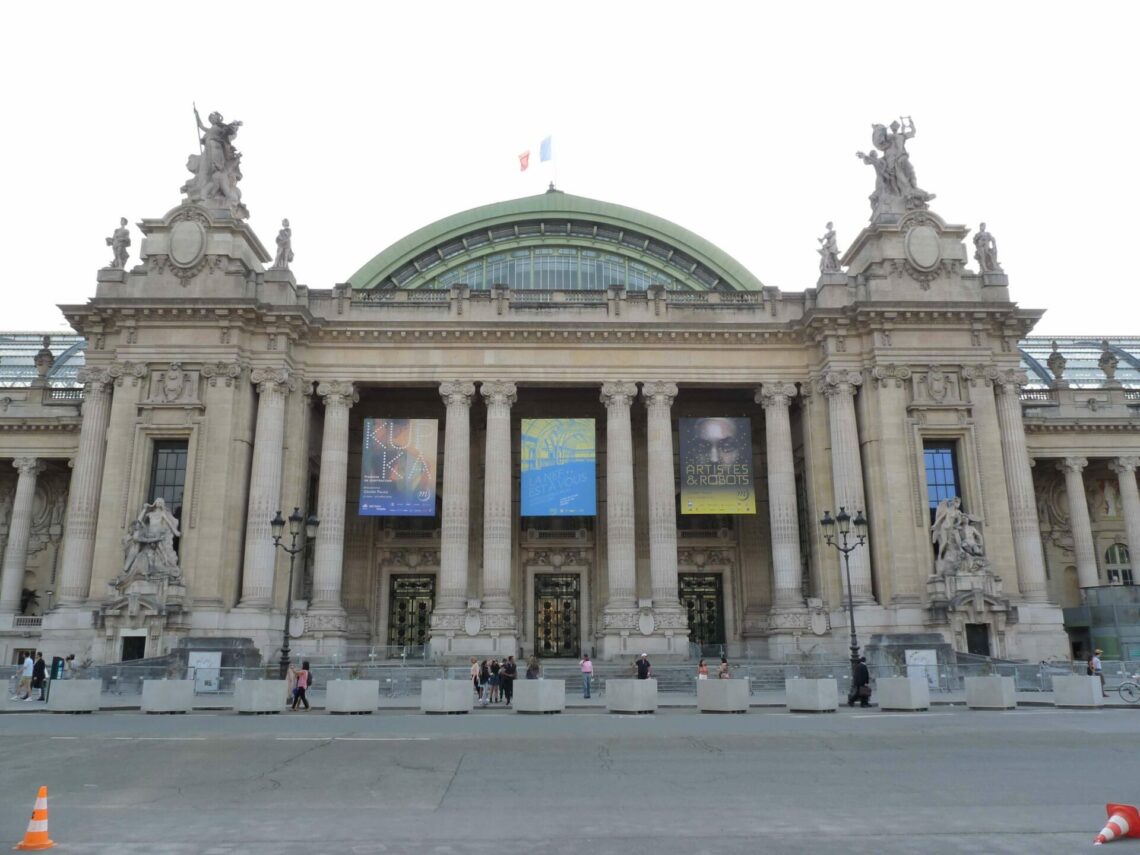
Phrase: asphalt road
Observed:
(950, 780)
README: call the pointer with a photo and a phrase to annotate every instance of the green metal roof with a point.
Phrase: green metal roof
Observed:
(674, 255)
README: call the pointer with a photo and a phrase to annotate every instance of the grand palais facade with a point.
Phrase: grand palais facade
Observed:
(556, 425)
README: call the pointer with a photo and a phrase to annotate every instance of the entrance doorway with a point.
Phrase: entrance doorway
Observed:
(409, 612)
(978, 639)
(702, 595)
(134, 647)
(557, 615)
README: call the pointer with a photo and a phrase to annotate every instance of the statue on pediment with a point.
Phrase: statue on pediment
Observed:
(216, 168)
(828, 251)
(960, 547)
(119, 240)
(985, 251)
(148, 547)
(896, 187)
(284, 247)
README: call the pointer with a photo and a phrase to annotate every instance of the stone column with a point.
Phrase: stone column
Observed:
(19, 531)
(1125, 469)
(328, 558)
(264, 487)
(83, 494)
(620, 554)
(662, 506)
(776, 398)
(456, 522)
(839, 388)
(499, 396)
(1019, 487)
(1079, 519)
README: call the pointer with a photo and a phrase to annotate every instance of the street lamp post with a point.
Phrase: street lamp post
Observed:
(295, 524)
(843, 521)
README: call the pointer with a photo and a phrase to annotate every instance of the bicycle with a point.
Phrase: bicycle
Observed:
(1129, 690)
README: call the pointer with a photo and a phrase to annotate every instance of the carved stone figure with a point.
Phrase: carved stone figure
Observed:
(961, 548)
(172, 384)
(828, 252)
(936, 383)
(896, 187)
(1056, 362)
(217, 168)
(284, 247)
(119, 240)
(148, 547)
(45, 359)
(985, 251)
(1107, 362)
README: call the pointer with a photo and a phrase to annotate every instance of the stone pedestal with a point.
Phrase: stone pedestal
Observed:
(990, 693)
(811, 695)
(630, 696)
(353, 697)
(1078, 691)
(447, 697)
(259, 697)
(74, 696)
(723, 696)
(902, 693)
(170, 696)
(539, 696)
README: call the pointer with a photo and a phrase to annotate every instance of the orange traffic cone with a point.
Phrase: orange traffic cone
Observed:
(1123, 821)
(36, 837)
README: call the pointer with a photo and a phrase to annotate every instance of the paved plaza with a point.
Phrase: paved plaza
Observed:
(948, 780)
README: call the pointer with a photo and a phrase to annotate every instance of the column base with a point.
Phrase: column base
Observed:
(474, 632)
(628, 632)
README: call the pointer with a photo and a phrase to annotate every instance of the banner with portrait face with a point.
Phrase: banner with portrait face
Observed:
(716, 466)
(398, 468)
(558, 468)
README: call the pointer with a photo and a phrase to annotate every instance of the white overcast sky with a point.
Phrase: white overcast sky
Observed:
(739, 121)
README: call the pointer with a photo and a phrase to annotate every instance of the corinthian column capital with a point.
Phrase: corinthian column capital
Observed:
(1009, 381)
(778, 394)
(841, 382)
(501, 393)
(337, 393)
(1124, 465)
(457, 392)
(618, 393)
(95, 379)
(28, 465)
(272, 380)
(1072, 464)
(657, 393)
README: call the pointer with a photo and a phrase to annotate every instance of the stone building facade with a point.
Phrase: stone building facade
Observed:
(902, 379)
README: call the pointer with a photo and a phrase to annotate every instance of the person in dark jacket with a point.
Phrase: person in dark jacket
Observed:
(860, 685)
(39, 675)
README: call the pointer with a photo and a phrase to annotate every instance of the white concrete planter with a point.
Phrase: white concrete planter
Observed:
(902, 693)
(812, 695)
(539, 696)
(74, 696)
(723, 696)
(168, 696)
(1077, 691)
(447, 696)
(630, 696)
(990, 693)
(258, 697)
(352, 697)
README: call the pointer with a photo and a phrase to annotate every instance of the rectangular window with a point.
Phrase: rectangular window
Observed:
(941, 460)
(168, 476)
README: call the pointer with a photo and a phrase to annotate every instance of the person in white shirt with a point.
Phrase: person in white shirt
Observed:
(24, 689)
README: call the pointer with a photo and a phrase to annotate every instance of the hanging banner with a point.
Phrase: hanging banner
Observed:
(558, 468)
(716, 466)
(398, 468)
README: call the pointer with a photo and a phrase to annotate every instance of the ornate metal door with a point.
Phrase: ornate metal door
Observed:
(703, 598)
(409, 611)
(557, 631)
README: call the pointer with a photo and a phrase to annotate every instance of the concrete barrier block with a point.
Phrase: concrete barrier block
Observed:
(631, 696)
(990, 693)
(352, 697)
(74, 696)
(539, 696)
(259, 697)
(1077, 690)
(902, 693)
(168, 696)
(804, 695)
(723, 696)
(447, 696)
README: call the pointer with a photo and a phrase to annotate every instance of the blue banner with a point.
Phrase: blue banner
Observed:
(558, 468)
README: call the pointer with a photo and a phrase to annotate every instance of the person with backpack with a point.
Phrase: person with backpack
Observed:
(299, 693)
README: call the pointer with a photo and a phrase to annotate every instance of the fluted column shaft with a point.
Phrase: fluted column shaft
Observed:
(1087, 576)
(620, 554)
(1125, 469)
(662, 507)
(264, 487)
(328, 558)
(83, 494)
(499, 396)
(846, 466)
(776, 399)
(19, 532)
(456, 522)
(1019, 487)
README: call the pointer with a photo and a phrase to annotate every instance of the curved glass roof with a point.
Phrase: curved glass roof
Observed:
(555, 241)
(18, 357)
(1081, 356)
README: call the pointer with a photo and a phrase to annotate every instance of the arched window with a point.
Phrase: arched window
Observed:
(1118, 564)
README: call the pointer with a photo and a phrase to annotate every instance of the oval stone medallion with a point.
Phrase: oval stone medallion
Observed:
(187, 241)
(922, 247)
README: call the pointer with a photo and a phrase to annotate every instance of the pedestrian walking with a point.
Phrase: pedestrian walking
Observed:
(860, 685)
(587, 673)
(507, 675)
(300, 696)
(475, 678)
(24, 687)
(702, 670)
(643, 668)
(1095, 669)
(495, 681)
(39, 675)
(484, 683)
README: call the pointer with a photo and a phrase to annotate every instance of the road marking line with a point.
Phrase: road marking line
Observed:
(382, 738)
(903, 715)
(64, 737)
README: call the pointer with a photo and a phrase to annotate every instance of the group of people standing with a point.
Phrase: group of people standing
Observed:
(494, 681)
(34, 676)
